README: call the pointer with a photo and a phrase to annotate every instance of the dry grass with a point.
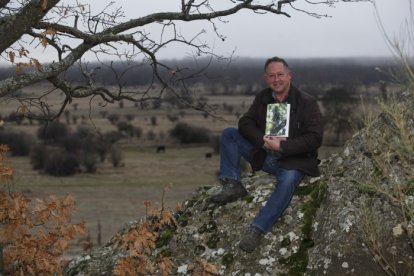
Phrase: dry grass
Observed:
(116, 195)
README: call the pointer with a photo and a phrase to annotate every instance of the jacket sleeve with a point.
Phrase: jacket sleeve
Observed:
(309, 131)
(249, 124)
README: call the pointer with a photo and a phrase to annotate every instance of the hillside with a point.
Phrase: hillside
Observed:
(357, 218)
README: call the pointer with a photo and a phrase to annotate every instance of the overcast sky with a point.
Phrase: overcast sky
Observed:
(351, 30)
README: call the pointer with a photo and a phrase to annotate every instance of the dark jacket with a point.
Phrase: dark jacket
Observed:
(299, 151)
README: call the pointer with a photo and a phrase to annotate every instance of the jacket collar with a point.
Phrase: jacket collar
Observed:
(292, 96)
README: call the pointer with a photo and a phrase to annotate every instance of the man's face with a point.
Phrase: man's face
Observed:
(278, 77)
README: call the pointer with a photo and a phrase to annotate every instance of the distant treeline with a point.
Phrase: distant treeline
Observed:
(247, 72)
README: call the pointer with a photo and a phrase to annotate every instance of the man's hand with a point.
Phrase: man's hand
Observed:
(272, 142)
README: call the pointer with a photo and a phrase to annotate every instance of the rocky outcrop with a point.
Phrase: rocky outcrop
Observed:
(365, 225)
(357, 218)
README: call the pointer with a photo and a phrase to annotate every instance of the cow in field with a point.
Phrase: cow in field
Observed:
(160, 149)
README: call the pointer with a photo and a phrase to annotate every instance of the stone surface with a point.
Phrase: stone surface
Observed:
(348, 221)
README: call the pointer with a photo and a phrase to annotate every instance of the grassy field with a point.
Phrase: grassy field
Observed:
(115, 196)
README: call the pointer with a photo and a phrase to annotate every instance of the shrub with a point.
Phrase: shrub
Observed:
(88, 137)
(16, 117)
(116, 157)
(19, 143)
(126, 128)
(138, 132)
(72, 143)
(151, 135)
(102, 147)
(187, 134)
(53, 132)
(112, 137)
(84, 139)
(113, 118)
(89, 162)
(61, 164)
(38, 156)
(153, 120)
(129, 117)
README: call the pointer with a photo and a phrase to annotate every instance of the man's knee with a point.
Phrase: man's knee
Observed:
(228, 133)
(290, 180)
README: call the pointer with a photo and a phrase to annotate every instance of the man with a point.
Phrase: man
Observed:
(289, 159)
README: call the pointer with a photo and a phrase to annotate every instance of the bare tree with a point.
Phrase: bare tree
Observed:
(70, 29)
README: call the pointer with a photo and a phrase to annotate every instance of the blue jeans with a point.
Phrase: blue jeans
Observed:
(232, 147)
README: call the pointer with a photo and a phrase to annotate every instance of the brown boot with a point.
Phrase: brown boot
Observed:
(231, 191)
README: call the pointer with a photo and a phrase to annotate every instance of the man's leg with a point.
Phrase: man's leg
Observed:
(232, 147)
(286, 183)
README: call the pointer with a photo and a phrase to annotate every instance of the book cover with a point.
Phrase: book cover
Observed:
(277, 119)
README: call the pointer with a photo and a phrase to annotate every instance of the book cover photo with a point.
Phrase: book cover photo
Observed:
(277, 119)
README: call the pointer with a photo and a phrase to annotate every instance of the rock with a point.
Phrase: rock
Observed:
(348, 221)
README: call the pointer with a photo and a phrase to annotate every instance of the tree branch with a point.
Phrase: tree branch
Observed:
(17, 25)
(74, 31)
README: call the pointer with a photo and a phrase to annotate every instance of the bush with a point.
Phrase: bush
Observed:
(19, 143)
(89, 162)
(126, 128)
(88, 137)
(38, 156)
(113, 118)
(16, 117)
(53, 132)
(61, 164)
(112, 137)
(84, 139)
(116, 157)
(187, 134)
(151, 135)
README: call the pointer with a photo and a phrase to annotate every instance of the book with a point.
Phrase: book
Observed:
(277, 119)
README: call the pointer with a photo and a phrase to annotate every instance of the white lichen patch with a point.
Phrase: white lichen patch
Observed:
(346, 224)
(326, 263)
(267, 261)
(218, 252)
(182, 269)
(397, 230)
(315, 226)
(346, 151)
(314, 179)
(282, 251)
(292, 236)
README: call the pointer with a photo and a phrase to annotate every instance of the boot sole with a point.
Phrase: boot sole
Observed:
(231, 199)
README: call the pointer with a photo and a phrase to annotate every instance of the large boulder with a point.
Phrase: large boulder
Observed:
(357, 218)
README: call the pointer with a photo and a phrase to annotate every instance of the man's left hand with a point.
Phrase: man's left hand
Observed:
(273, 142)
